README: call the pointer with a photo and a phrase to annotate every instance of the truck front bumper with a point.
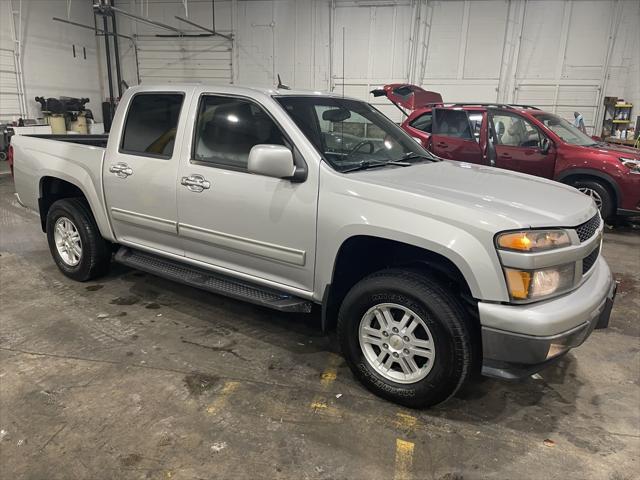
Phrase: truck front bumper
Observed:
(519, 340)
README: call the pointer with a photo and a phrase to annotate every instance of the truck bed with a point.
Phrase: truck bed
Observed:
(93, 140)
(76, 159)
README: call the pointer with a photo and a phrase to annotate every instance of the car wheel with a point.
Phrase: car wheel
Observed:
(406, 338)
(75, 241)
(600, 195)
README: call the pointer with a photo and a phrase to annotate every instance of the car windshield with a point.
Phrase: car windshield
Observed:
(351, 134)
(565, 130)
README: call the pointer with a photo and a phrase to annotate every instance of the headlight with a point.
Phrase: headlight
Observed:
(537, 284)
(632, 164)
(533, 240)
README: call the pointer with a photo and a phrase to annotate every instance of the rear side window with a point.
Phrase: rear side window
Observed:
(424, 122)
(452, 123)
(151, 124)
(228, 128)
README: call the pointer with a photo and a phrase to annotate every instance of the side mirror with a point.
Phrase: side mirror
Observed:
(271, 161)
(546, 146)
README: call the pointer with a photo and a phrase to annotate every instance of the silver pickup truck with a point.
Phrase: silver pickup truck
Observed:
(431, 270)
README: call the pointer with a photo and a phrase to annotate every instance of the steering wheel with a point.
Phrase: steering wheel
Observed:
(372, 147)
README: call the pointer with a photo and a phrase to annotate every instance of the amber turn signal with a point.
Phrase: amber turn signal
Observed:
(518, 283)
(533, 240)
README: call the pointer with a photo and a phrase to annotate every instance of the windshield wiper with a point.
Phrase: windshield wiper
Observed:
(366, 164)
(417, 156)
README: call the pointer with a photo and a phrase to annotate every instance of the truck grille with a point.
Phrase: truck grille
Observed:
(588, 228)
(590, 260)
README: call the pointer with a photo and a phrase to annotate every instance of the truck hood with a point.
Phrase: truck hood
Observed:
(494, 197)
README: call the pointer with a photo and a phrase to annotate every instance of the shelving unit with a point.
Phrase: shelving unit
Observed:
(617, 125)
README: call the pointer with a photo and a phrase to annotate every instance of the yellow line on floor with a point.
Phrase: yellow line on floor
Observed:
(330, 372)
(404, 460)
(405, 421)
(228, 388)
(320, 404)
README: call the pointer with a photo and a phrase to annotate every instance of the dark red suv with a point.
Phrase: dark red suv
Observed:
(524, 139)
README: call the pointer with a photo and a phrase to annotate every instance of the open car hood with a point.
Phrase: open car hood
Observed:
(408, 96)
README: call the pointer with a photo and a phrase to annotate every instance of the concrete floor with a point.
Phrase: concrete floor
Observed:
(133, 377)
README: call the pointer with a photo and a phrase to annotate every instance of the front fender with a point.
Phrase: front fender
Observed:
(473, 254)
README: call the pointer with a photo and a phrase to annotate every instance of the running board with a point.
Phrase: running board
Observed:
(211, 282)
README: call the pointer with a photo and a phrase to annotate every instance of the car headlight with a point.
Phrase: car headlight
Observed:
(533, 240)
(632, 164)
(537, 284)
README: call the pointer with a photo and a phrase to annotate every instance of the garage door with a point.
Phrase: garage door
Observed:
(9, 98)
(175, 60)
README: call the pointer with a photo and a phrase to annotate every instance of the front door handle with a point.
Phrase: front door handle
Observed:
(121, 169)
(195, 183)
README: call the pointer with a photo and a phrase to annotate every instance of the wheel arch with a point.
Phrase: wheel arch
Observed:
(52, 188)
(361, 255)
(569, 176)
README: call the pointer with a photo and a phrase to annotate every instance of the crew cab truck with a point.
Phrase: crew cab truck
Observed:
(431, 270)
(524, 139)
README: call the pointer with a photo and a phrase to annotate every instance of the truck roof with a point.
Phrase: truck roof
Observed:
(241, 90)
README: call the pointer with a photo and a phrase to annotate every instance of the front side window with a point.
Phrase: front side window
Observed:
(151, 124)
(565, 130)
(348, 133)
(515, 131)
(453, 123)
(228, 128)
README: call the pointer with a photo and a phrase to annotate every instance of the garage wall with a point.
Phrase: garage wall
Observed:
(559, 55)
(49, 67)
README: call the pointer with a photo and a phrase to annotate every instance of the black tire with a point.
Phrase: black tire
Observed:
(443, 314)
(96, 251)
(607, 209)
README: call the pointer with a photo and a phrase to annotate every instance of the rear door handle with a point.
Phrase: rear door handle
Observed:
(195, 183)
(442, 145)
(121, 170)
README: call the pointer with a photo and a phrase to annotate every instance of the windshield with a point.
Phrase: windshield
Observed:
(565, 130)
(349, 133)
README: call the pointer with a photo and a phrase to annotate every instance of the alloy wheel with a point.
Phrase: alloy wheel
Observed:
(68, 241)
(397, 343)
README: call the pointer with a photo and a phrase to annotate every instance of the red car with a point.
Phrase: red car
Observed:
(524, 139)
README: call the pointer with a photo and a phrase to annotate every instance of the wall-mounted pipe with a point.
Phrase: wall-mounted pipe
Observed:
(89, 27)
(213, 32)
(116, 51)
(141, 19)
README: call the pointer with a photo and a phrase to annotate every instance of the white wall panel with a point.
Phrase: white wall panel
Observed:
(485, 39)
(445, 40)
(541, 36)
(551, 53)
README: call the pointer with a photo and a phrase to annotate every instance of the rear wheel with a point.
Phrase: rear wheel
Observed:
(75, 241)
(600, 195)
(406, 338)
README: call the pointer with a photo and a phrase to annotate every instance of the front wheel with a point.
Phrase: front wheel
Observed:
(75, 241)
(406, 338)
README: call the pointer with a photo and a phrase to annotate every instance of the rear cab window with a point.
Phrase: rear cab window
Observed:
(151, 124)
